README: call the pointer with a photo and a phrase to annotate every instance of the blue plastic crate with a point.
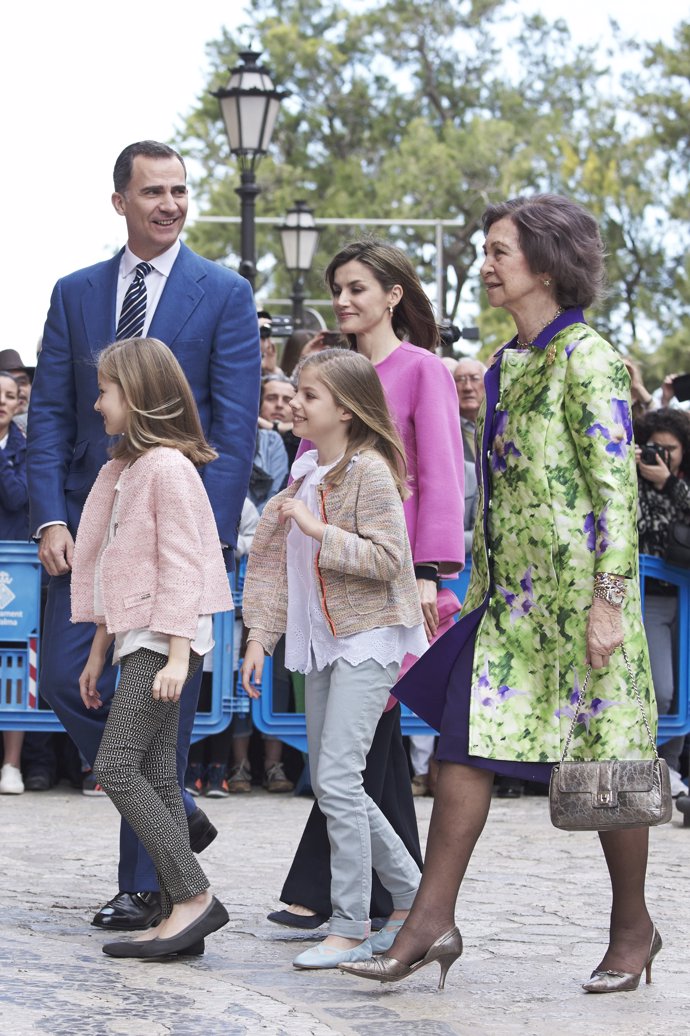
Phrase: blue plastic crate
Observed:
(16, 687)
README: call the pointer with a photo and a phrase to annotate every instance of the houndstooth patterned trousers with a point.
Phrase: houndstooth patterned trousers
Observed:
(136, 768)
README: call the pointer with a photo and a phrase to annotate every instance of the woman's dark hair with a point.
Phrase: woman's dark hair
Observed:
(558, 238)
(292, 350)
(413, 318)
(673, 422)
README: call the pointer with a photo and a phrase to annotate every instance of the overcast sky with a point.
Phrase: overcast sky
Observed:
(80, 80)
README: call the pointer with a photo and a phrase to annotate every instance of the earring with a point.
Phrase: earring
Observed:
(390, 310)
(547, 282)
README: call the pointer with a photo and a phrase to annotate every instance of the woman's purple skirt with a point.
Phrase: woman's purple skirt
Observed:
(438, 688)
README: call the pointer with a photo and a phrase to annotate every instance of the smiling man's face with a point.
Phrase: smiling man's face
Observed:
(154, 205)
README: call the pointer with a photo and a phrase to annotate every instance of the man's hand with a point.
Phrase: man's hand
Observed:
(56, 549)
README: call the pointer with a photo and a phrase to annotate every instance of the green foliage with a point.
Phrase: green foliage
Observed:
(430, 109)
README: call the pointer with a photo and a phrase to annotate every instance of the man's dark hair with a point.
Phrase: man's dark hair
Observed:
(122, 173)
(263, 314)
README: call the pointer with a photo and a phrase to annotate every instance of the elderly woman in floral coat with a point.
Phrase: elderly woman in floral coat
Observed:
(554, 586)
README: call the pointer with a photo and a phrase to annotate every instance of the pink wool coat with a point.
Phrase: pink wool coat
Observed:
(165, 567)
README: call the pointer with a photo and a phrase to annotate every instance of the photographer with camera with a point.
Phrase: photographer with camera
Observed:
(663, 462)
(269, 355)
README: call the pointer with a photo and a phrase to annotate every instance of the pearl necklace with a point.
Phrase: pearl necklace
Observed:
(526, 345)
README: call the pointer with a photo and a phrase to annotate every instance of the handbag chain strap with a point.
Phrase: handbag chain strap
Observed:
(581, 701)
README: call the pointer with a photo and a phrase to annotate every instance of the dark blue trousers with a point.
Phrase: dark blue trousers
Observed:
(65, 648)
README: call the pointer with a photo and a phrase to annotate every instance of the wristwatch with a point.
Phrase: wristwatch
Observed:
(609, 588)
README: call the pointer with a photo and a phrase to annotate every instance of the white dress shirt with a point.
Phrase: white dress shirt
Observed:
(155, 282)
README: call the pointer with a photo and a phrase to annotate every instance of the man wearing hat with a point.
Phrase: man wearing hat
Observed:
(11, 361)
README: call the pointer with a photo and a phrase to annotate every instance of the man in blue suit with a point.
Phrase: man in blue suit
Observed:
(206, 315)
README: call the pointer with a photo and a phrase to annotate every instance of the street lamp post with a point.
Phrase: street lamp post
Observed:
(249, 106)
(299, 237)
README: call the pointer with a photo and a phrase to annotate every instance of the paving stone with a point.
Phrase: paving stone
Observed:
(533, 912)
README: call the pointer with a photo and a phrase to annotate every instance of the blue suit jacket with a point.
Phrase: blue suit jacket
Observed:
(207, 316)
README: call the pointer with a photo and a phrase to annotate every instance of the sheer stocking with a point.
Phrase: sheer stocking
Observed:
(630, 932)
(461, 806)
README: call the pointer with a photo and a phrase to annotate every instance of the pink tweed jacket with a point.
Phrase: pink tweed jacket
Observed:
(364, 565)
(164, 568)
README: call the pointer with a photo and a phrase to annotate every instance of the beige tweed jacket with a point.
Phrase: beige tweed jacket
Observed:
(364, 567)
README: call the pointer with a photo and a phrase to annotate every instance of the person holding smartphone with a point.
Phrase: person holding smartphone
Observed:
(663, 462)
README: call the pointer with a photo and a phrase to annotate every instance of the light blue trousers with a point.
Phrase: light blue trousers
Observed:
(343, 706)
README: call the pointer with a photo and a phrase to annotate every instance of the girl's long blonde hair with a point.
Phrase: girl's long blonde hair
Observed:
(161, 407)
(354, 384)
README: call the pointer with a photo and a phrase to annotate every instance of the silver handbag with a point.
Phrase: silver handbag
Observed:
(615, 793)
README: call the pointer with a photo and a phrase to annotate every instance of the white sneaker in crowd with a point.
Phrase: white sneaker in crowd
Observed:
(11, 782)
(678, 785)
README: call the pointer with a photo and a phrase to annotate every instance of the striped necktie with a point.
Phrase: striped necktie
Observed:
(133, 313)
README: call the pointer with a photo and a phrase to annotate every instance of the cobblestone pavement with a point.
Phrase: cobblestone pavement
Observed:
(533, 915)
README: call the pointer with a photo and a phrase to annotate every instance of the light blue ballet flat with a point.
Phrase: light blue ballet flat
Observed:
(382, 940)
(324, 957)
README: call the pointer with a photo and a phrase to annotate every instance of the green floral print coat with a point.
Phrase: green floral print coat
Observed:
(559, 494)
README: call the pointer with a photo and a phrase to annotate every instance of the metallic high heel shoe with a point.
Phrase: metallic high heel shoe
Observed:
(623, 981)
(445, 950)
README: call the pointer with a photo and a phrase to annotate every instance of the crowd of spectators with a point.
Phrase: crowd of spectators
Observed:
(220, 766)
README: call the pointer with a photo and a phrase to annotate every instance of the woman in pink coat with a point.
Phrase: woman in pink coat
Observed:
(381, 307)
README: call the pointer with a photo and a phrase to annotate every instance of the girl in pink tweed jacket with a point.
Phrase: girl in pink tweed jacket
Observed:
(331, 567)
(148, 570)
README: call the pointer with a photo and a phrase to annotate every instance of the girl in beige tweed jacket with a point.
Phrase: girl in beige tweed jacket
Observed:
(331, 567)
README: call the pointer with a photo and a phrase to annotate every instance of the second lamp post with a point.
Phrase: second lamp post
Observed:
(299, 237)
(249, 106)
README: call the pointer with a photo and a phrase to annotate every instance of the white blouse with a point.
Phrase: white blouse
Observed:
(307, 638)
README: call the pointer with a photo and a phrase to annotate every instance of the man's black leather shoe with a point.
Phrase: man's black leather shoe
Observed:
(201, 831)
(37, 780)
(129, 912)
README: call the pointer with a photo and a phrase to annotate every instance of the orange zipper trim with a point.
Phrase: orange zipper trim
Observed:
(324, 518)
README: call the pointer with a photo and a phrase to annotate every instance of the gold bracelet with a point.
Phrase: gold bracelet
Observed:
(609, 588)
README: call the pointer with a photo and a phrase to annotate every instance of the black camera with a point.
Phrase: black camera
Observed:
(449, 334)
(266, 330)
(652, 450)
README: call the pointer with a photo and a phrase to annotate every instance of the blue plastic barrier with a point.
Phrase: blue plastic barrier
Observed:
(290, 727)
(20, 607)
(677, 722)
(20, 597)
(20, 610)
